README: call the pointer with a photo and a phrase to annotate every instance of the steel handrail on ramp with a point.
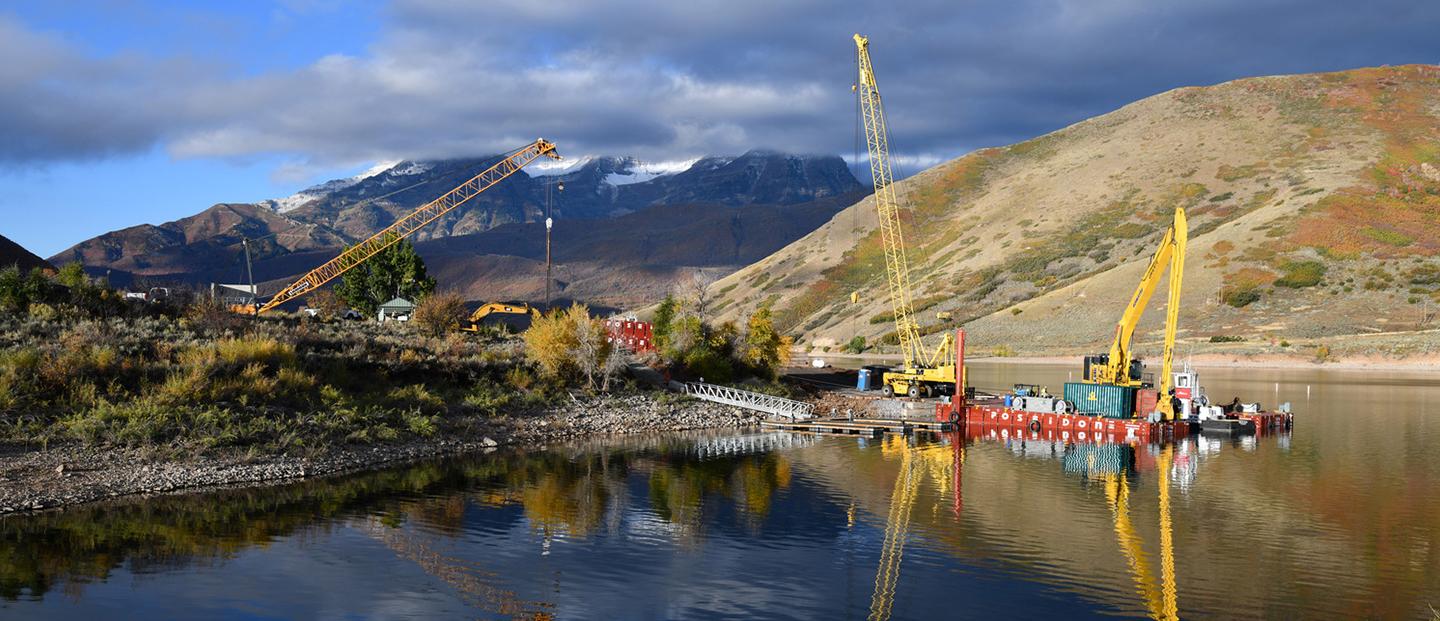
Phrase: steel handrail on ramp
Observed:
(748, 444)
(759, 402)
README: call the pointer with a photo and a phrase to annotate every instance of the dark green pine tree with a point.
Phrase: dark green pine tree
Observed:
(397, 272)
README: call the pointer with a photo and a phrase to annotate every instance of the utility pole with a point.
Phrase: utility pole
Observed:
(549, 224)
(250, 275)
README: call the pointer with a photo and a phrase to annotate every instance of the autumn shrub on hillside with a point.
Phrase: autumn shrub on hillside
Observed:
(1301, 274)
(720, 353)
(439, 313)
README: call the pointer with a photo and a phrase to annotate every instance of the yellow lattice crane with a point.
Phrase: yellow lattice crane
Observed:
(1119, 367)
(897, 527)
(923, 372)
(413, 221)
(916, 462)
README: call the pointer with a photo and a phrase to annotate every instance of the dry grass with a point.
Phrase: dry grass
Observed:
(282, 383)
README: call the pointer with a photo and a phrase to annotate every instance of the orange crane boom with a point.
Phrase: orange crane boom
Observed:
(413, 221)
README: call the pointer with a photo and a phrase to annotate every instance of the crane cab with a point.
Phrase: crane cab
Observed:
(1096, 369)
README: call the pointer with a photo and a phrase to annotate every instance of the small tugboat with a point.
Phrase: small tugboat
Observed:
(1194, 405)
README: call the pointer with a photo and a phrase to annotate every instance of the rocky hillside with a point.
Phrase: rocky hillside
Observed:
(12, 253)
(622, 262)
(1314, 206)
(294, 233)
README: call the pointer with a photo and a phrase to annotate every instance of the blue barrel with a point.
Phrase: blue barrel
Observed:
(1009, 400)
(863, 382)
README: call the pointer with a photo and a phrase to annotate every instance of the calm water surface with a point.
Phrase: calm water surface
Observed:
(1338, 519)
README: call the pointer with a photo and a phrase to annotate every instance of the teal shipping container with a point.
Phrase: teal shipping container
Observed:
(1101, 399)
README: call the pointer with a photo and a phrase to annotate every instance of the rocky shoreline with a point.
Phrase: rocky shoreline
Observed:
(35, 479)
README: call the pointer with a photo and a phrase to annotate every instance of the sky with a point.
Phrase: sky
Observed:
(115, 113)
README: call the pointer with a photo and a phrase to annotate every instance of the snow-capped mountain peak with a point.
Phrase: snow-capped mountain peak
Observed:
(315, 192)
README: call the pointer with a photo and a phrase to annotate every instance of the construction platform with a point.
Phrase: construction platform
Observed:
(1087, 428)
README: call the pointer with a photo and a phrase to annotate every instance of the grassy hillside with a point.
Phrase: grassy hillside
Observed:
(1314, 204)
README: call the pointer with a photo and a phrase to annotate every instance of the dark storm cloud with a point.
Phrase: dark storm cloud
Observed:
(669, 80)
(56, 104)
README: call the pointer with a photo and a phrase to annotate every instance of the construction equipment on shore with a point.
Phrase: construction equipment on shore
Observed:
(413, 221)
(923, 372)
(473, 323)
(1120, 369)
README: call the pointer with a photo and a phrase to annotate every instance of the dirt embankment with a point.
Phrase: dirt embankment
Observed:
(33, 479)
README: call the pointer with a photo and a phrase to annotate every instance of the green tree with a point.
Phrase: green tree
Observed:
(19, 289)
(762, 342)
(660, 323)
(72, 275)
(396, 272)
(13, 296)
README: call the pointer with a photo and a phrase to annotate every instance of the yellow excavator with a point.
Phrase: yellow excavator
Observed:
(413, 221)
(1161, 597)
(923, 372)
(473, 323)
(1119, 367)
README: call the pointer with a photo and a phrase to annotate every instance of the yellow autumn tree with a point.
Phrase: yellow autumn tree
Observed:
(569, 344)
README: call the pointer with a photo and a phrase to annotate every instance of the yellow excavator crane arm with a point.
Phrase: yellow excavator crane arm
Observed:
(1119, 367)
(923, 369)
(413, 221)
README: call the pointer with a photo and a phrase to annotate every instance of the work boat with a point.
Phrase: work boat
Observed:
(1195, 406)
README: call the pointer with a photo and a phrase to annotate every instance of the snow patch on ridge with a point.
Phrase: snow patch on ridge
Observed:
(317, 192)
(551, 168)
(636, 171)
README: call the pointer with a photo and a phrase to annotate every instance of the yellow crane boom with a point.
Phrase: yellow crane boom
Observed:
(413, 221)
(923, 371)
(897, 268)
(1118, 367)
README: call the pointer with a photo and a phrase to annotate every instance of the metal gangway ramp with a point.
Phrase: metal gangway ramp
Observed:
(748, 444)
(759, 402)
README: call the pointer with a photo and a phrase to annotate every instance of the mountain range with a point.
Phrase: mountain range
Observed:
(488, 248)
(1313, 204)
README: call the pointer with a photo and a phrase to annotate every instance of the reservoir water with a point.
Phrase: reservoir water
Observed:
(1339, 518)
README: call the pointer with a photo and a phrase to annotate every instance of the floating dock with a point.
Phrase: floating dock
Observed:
(861, 426)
